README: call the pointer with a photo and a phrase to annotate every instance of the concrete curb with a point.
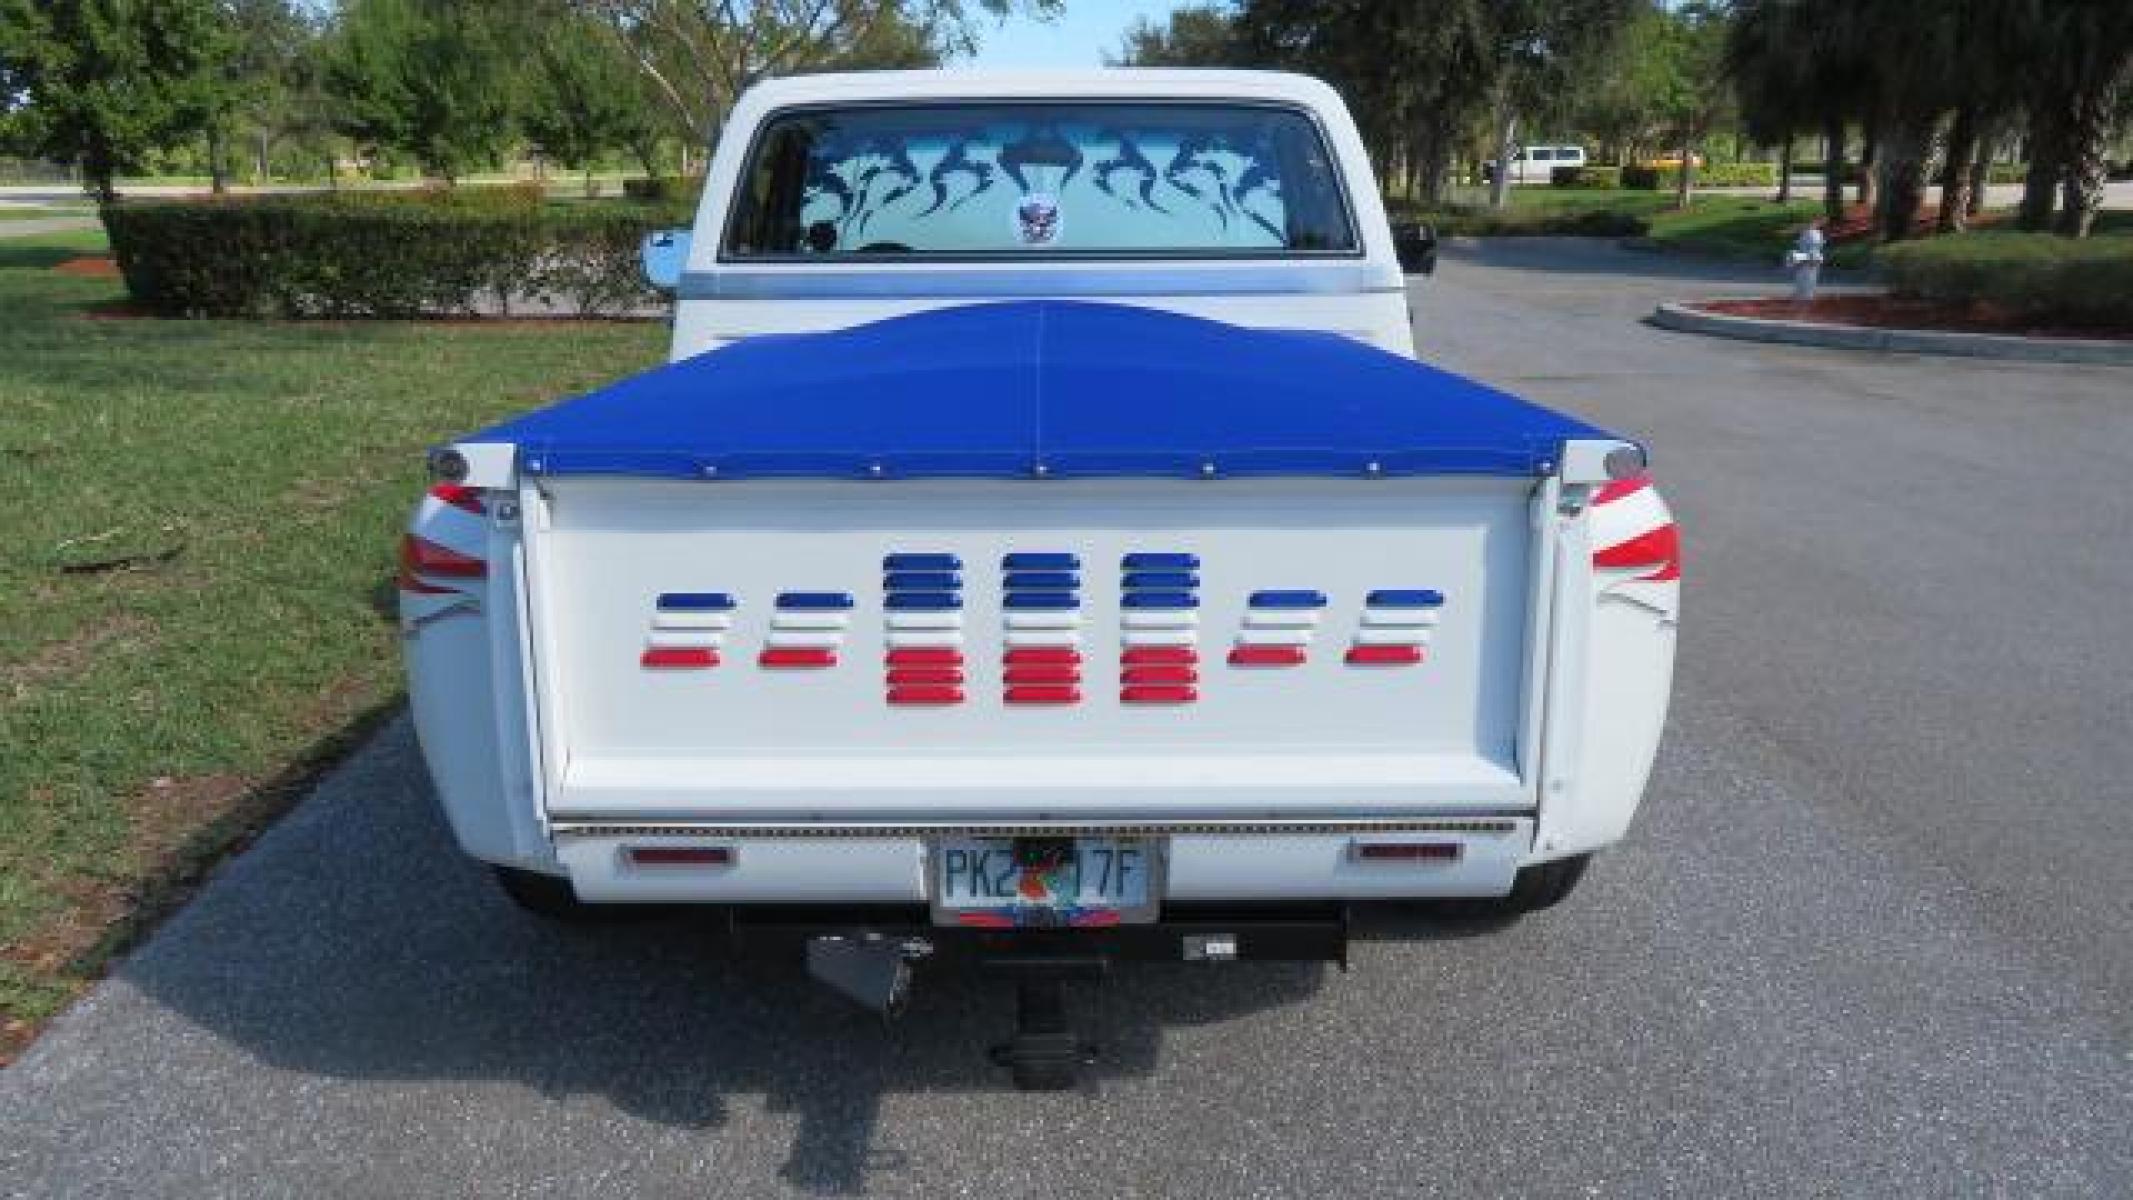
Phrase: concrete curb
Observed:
(1685, 319)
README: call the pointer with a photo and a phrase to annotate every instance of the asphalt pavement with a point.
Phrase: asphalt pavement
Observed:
(1872, 934)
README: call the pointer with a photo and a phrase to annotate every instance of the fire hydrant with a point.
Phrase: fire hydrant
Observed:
(1804, 260)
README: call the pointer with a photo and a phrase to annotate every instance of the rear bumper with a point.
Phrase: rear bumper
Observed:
(1279, 932)
(1202, 864)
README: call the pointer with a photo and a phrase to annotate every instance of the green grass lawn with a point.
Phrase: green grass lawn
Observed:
(25, 212)
(254, 476)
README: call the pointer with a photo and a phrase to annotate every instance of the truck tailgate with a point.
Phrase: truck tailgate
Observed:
(1090, 649)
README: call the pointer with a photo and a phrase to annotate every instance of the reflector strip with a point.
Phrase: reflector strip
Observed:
(923, 601)
(797, 656)
(924, 694)
(1135, 655)
(1407, 851)
(1158, 694)
(1266, 656)
(1399, 598)
(814, 600)
(1159, 618)
(1044, 694)
(1173, 580)
(921, 581)
(921, 562)
(1288, 599)
(924, 676)
(685, 637)
(1389, 635)
(1280, 618)
(925, 637)
(679, 657)
(678, 856)
(1160, 673)
(1042, 581)
(1275, 637)
(1040, 562)
(912, 656)
(1159, 561)
(1043, 673)
(1406, 618)
(1387, 656)
(692, 620)
(425, 557)
(696, 601)
(1043, 637)
(925, 620)
(1159, 637)
(808, 620)
(1044, 620)
(1042, 654)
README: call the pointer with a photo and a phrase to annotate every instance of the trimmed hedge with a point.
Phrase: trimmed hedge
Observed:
(2032, 276)
(665, 189)
(1526, 222)
(381, 255)
(1747, 174)
(1590, 176)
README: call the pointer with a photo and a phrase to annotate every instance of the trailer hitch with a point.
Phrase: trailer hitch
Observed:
(1044, 1055)
(868, 968)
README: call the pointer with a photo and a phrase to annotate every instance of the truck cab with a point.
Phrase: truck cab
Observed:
(1043, 544)
(1239, 196)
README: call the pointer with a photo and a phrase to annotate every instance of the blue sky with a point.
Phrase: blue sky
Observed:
(1079, 38)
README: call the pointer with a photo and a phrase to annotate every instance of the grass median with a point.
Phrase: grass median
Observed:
(197, 523)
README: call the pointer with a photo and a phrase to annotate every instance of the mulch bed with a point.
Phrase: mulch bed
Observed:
(1889, 312)
(90, 267)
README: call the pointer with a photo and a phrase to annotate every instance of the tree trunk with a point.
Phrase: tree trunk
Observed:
(1980, 177)
(1869, 159)
(2087, 138)
(1833, 167)
(592, 189)
(1955, 173)
(1685, 182)
(2044, 165)
(1784, 195)
(1906, 147)
(218, 175)
(97, 168)
(1506, 133)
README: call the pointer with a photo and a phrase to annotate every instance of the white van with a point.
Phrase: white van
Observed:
(1537, 164)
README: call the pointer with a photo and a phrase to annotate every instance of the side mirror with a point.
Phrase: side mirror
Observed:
(1414, 243)
(664, 254)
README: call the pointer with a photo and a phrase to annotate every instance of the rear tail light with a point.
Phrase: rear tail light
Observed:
(460, 496)
(421, 556)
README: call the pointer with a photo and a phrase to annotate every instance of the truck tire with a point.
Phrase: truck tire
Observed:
(547, 896)
(1545, 885)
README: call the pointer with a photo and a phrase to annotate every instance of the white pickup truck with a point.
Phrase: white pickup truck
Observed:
(1043, 544)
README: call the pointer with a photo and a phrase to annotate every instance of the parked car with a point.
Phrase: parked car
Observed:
(1042, 545)
(1537, 164)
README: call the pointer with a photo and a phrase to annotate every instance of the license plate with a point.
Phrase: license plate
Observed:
(1044, 883)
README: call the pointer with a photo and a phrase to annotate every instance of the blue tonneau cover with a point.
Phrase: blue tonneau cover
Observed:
(1051, 388)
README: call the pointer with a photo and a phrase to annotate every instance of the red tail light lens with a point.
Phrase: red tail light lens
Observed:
(421, 556)
(460, 496)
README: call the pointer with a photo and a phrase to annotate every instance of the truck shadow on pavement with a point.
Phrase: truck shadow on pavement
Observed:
(354, 943)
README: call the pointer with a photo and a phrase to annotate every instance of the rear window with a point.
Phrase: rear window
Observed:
(1019, 180)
